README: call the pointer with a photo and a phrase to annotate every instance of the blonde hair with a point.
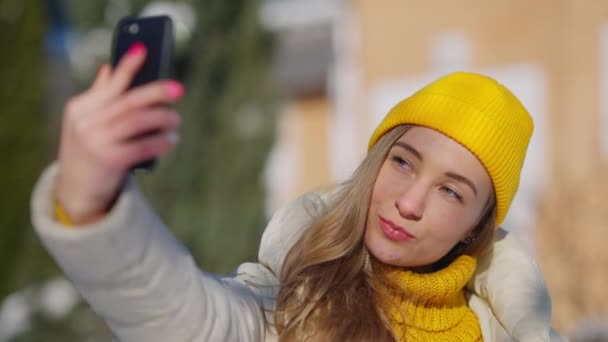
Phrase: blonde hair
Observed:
(327, 293)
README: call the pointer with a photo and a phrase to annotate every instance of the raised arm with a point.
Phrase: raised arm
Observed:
(140, 279)
(116, 251)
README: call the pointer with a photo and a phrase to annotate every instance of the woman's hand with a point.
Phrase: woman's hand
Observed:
(97, 146)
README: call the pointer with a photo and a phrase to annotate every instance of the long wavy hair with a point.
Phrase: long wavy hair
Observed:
(328, 292)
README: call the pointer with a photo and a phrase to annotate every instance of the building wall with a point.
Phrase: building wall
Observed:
(299, 162)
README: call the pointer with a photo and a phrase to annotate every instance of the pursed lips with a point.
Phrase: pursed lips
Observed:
(397, 227)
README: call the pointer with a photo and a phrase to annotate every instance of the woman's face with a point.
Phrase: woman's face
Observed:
(430, 193)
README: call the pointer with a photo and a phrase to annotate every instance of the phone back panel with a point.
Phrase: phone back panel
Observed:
(156, 33)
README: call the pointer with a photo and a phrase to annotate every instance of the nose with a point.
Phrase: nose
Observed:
(411, 202)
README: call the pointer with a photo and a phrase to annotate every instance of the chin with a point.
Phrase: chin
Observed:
(385, 252)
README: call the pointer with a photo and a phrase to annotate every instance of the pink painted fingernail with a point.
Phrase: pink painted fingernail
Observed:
(175, 89)
(136, 49)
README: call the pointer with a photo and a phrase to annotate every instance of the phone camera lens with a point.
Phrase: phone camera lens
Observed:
(133, 29)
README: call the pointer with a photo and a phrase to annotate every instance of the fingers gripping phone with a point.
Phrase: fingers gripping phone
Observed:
(156, 33)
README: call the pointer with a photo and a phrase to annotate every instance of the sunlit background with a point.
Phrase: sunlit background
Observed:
(282, 96)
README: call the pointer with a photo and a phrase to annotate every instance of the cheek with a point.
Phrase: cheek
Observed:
(450, 225)
(385, 186)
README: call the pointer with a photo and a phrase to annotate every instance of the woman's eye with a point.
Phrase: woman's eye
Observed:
(402, 163)
(452, 193)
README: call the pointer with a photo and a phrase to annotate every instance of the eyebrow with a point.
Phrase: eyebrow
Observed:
(409, 148)
(462, 179)
(452, 175)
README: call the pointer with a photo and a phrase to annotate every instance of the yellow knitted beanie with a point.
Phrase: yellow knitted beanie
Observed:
(480, 114)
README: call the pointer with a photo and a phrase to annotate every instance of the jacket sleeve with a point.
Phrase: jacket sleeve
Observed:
(141, 280)
(511, 282)
(286, 227)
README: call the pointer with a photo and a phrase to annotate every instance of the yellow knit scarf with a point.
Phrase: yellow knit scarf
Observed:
(432, 306)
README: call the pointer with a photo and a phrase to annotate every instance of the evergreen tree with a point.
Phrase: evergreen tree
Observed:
(210, 190)
(22, 135)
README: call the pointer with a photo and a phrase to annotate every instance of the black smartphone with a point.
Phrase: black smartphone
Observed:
(156, 33)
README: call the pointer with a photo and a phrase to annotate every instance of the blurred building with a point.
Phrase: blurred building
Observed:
(343, 64)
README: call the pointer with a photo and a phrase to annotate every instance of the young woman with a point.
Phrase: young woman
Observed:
(406, 250)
